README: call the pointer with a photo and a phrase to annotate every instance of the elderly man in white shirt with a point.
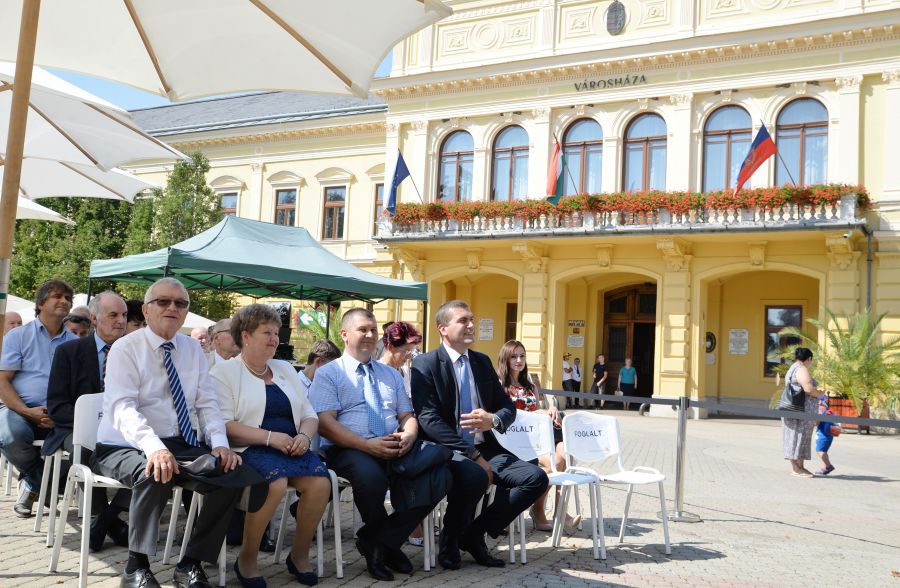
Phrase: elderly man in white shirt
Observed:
(155, 379)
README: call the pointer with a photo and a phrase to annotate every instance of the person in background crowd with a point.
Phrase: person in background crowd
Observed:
(79, 367)
(628, 381)
(796, 433)
(399, 342)
(135, 316)
(567, 378)
(576, 380)
(155, 378)
(366, 421)
(201, 335)
(24, 373)
(600, 374)
(271, 423)
(513, 372)
(78, 322)
(13, 320)
(459, 401)
(322, 352)
(222, 346)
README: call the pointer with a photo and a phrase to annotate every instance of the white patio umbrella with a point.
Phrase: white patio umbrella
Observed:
(198, 48)
(43, 178)
(65, 123)
(34, 211)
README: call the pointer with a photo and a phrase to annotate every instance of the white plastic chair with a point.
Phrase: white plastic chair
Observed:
(196, 505)
(88, 412)
(52, 463)
(336, 520)
(530, 437)
(594, 438)
(6, 470)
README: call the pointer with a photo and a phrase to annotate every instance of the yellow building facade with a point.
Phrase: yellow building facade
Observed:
(642, 94)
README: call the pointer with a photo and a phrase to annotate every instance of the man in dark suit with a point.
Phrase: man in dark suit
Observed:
(78, 368)
(458, 401)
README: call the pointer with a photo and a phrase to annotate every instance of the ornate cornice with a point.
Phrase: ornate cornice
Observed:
(531, 254)
(335, 131)
(658, 62)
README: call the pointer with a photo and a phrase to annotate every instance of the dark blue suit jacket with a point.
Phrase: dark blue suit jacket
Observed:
(75, 371)
(435, 396)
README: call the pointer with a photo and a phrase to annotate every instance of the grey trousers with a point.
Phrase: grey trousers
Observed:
(149, 498)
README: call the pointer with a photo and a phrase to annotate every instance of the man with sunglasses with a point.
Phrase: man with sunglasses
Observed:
(24, 373)
(156, 381)
(79, 321)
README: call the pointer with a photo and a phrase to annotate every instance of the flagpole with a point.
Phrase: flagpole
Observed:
(780, 158)
(562, 154)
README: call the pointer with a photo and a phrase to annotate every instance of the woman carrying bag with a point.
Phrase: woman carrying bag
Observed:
(799, 395)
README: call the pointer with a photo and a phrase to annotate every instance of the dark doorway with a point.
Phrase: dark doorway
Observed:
(630, 319)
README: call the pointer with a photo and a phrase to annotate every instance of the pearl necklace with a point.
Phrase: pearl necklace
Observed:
(253, 371)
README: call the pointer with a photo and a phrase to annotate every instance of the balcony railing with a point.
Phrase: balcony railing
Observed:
(787, 216)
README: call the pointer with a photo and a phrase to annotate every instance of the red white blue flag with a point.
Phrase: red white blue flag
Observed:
(762, 148)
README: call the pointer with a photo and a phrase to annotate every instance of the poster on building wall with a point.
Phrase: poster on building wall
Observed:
(485, 329)
(575, 341)
(738, 341)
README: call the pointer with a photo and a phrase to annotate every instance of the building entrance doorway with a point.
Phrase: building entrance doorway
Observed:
(630, 319)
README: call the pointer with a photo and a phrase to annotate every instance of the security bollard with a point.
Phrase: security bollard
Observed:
(679, 515)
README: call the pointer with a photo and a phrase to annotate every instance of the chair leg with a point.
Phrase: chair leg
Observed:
(599, 522)
(336, 515)
(560, 516)
(593, 502)
(85, 535)
(42, 496)
(522, 557)
(511, 540)
(7, 470)
(665, 517)
(320, 549)
(282, 527)
(578, 509)
(625, 514)
(173, 523)
(61, 524)
(427, 538)
(196, 503)
(54, 485)
(223, 579)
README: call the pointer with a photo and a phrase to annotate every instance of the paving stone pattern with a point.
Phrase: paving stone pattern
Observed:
(761, 526)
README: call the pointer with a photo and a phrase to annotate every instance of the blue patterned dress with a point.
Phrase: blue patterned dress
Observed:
(271, 463)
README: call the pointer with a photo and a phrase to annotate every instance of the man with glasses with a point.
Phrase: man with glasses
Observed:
(79, 321)
(155, 379)
(24, 373)
(221, 344)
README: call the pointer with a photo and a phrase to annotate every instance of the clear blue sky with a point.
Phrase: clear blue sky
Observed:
(129, 98)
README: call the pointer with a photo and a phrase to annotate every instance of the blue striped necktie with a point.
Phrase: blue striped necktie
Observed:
(184, 417)
(373, 400)
(465, 399)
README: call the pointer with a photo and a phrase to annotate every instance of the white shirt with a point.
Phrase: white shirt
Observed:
(567, 375)
(138, 409)
(576, 372)
(457, 373)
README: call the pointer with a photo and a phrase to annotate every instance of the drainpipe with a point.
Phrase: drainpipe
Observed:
(868, 233)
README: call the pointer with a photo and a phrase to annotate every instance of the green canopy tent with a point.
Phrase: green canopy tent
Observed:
(257, 259)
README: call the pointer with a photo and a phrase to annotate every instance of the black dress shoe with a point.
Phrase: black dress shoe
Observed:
(374, 554)
(479, 551)
(142, 578)
(118, 532)
(192, 577)
(97, 535)
(266, 544)
(395, 559)
(448, 553)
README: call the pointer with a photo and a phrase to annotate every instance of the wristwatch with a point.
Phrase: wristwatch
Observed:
(474, 454)
(496, 422)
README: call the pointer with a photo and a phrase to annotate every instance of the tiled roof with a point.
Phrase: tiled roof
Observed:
(247, 110)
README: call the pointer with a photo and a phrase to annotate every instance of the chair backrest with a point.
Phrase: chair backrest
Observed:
(529, 436)
(88, 412)
(589, 437)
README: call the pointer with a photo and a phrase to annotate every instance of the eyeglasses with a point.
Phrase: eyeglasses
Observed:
(77, 319)
(179, 303)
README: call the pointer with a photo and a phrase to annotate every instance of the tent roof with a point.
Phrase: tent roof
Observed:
(258, 259)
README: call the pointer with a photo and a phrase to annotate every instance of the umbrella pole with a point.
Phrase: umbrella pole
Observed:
(15, 144)
(328, 321)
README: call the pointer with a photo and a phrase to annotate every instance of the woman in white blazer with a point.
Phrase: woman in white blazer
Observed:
(271, 423)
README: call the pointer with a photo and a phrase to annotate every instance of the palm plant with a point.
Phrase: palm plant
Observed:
(314, 324)
(854, 359)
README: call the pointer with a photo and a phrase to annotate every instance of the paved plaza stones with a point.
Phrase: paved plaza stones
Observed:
(761, 527)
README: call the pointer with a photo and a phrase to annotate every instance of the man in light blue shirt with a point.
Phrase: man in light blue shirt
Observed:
(24, 373)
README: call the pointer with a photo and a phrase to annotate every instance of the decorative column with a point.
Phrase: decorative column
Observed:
(480, 187)
(890, 119)
(674, 299)
(533, 307)
(848, 156)
(391, 149)
(539, 153)
(610, 165)
(842, 291)
(418, 159)
(678, 159)
(411, 266)
(255, 192)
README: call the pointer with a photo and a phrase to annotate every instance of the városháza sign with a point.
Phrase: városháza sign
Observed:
(610, 83)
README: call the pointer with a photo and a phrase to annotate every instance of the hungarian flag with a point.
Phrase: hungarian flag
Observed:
(555, 181)
(762, 148)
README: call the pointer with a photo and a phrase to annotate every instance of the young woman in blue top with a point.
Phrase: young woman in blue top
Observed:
(628, 380)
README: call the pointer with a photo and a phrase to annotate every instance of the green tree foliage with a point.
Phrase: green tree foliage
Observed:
(856, 359)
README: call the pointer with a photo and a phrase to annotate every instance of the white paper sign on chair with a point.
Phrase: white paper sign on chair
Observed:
(529, 436)
(590, 437)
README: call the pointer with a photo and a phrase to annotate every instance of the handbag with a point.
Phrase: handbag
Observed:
(423, 456)
(791, 400)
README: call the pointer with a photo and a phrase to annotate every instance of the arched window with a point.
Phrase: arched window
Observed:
(583, 149)
(455, 174)
(645, 154)
(726, 141)
(509, 175)
(801, 133)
